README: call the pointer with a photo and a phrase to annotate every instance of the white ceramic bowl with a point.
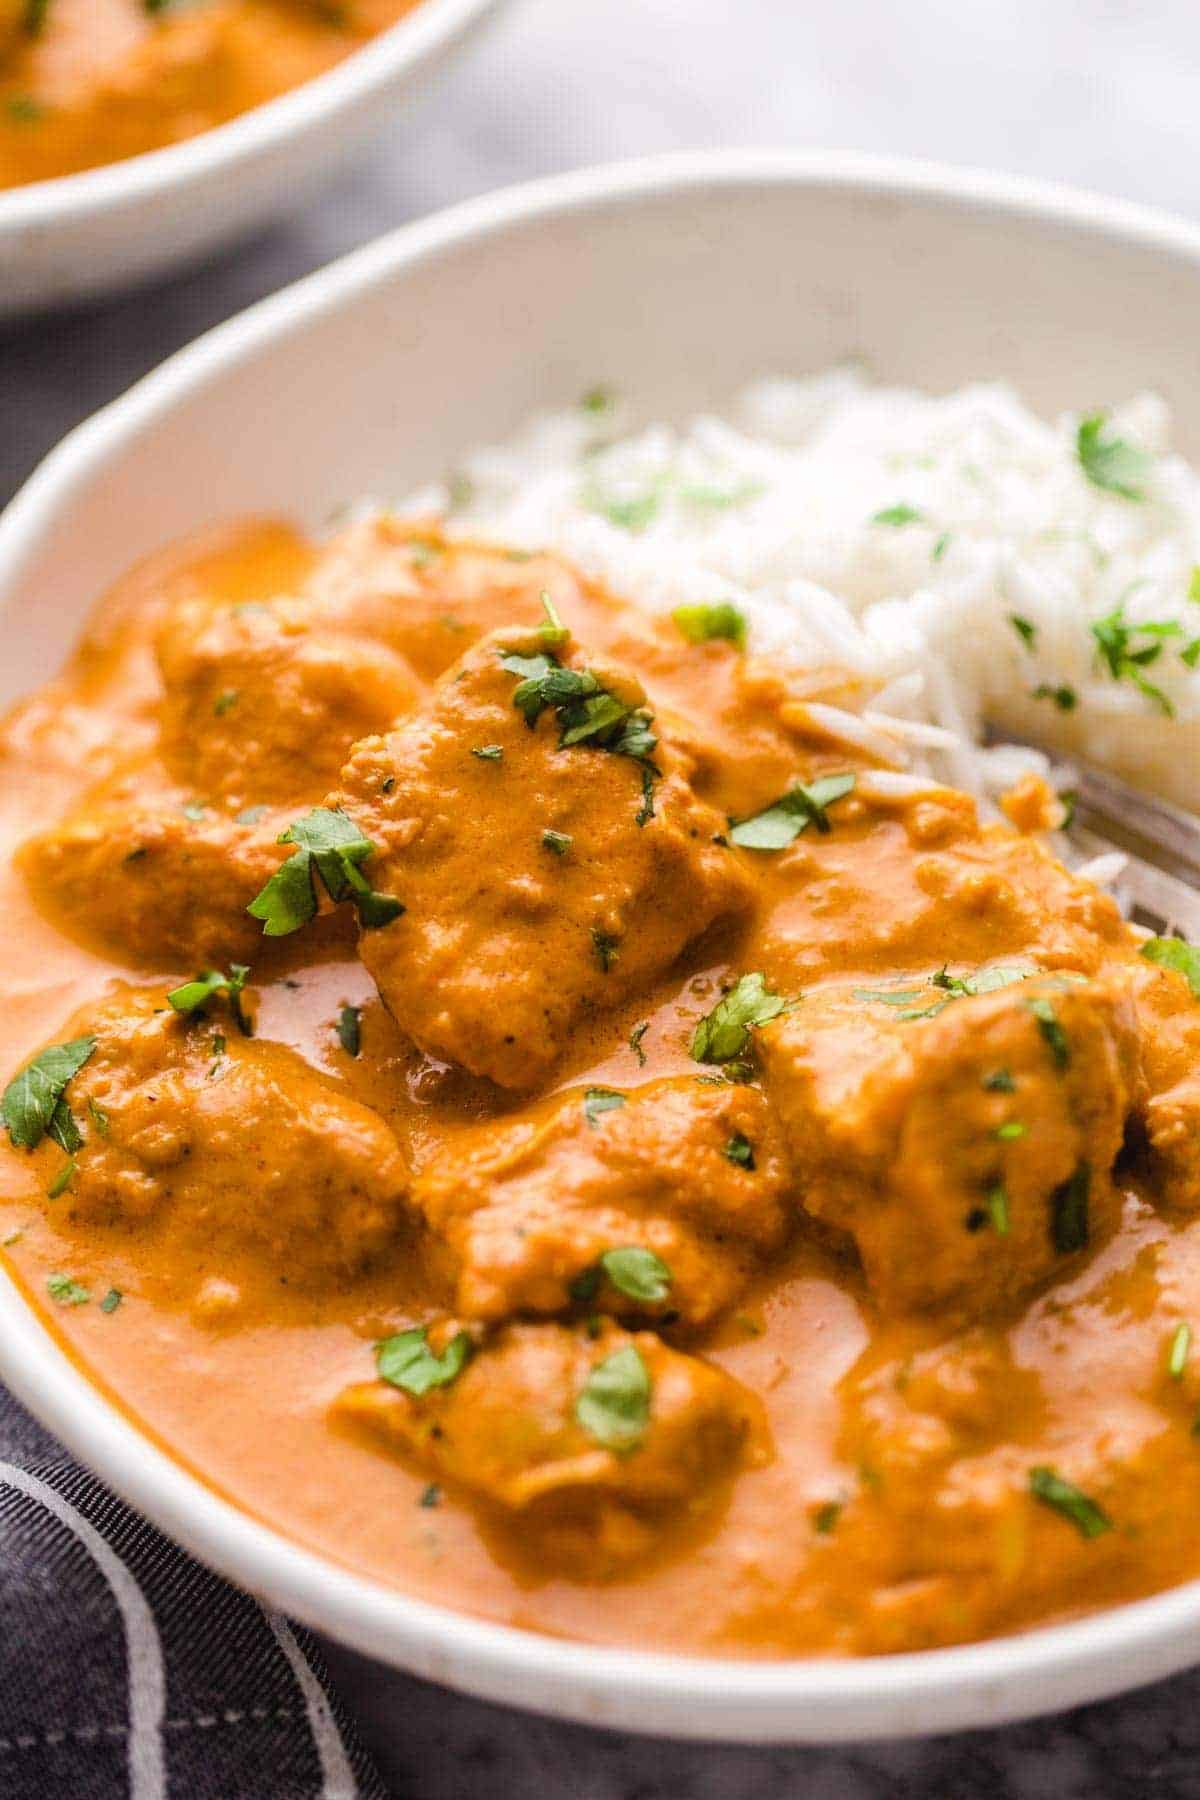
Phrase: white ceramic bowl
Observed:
(84, 234)
(675, 280)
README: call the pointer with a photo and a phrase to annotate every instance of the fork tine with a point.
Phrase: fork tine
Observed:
(1152, 897)
(1144, 825)
(1161, 902)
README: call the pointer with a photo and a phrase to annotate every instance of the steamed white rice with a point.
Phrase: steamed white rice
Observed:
(895, 535)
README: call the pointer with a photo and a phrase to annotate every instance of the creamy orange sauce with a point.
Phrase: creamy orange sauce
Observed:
(86, 82)
(888, 1506)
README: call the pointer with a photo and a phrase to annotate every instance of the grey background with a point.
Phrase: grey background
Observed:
(1098, 92)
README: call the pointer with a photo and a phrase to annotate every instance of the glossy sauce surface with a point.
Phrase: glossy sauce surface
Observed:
(887, 1504)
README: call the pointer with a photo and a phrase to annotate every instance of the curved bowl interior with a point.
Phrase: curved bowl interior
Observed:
(675, 281)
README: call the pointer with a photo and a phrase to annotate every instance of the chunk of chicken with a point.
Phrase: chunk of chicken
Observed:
(541, 881)
(692, 1172)
(1169, 1016)
(946, 1535)
(164, 883)
(512, 1429)
(964, 1143)
(431, 597)
(896, 876)
(264, 700)
(229, 1144)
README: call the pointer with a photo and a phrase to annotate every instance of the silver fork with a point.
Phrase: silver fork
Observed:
(1160, 882)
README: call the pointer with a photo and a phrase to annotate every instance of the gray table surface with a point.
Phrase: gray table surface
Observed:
(1099, 92)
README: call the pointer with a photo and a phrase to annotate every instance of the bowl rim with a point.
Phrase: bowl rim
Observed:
(791, 1700)
(388, 57)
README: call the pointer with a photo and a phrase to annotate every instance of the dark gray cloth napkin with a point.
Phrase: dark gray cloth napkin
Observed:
(128, 1672)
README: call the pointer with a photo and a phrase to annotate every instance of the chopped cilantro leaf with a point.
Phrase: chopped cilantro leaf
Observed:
(780, 823)
(740, 1150)
(489, 752)
(62, 1180)
(700, 624)
(633, 509)
(111, 1300)
(889, 996)
(1000, 1081)
(553, 633)
(614, 1405)
(431, 1496)
(225, 701)
(645, 811)
(533, 670)
(349, 1029)
(954, 987)
(63, 1129)
(31, 1100)
(328, 844)
(1025, 629)
(585, 711)
(997, 1205)
(724, 1034)
(194, 996)
(1069, 1227)
(406, 1360)
(67, 1291)
(598, 399)
(1065, 698)
(1051, 1030)
(597, 1100)
(1175, 953)
(987, 981)
(586, 1284)
(1050, 1488)
(557, 842)
(607, 948)
(288, 900)
(595, 716)
(1177, 1355)
(635, 1041)
(1125, 659)
(638, 1274)
(713, 498)
(1111, 462)
(900, 514)
(827, 1516)
(629, 512)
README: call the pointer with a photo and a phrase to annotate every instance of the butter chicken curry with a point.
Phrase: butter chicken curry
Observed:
(507, 1092)
(85, 82)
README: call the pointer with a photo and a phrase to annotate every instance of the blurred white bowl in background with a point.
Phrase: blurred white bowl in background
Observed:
(82, 235)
